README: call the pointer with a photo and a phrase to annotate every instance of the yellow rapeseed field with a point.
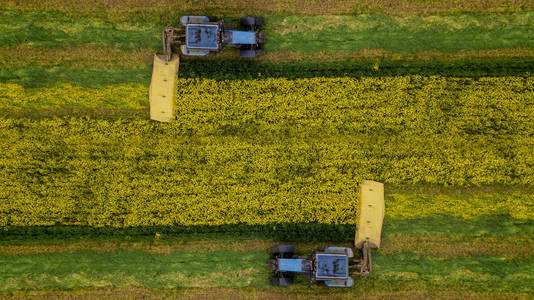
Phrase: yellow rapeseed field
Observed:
(266, 151)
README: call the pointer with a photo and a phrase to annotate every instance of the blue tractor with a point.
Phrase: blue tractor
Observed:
(330, 266)
(202, 36)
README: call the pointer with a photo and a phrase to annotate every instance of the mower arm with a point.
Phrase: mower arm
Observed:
(171, 36)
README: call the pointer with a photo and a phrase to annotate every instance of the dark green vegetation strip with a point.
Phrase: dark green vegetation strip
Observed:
(226, 268)
(493, 226)
(371, 68)
(42, 76)
(35, 76)
(329, 34)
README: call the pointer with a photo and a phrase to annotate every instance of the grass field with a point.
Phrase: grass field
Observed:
(433, 98)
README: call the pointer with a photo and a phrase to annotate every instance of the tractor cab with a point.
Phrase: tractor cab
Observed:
(333, 268)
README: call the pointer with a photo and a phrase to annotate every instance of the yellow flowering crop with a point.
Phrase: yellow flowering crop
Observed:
(266, 151)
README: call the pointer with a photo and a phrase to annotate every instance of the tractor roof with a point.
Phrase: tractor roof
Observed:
(332, 266)
(202, 36)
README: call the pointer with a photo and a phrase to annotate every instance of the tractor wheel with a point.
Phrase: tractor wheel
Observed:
(252, 21)
(283, 250)
(273, 265)
(283, 281)
(250, 53)
(261, 38)
(320, 249)
(260, 21)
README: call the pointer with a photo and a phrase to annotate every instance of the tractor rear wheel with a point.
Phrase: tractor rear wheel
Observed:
(283, 250)
(250, 53)
(283, 281)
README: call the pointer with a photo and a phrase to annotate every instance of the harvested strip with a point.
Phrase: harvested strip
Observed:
(333, 34)
(295, 293)
(82, 56)
(227, 268)
(57, 30)
(454, 245)
(106, 57)
(475, 273)
(307, 34)
(152, 246)
(152, 9)
(85, 269)
(380, 55)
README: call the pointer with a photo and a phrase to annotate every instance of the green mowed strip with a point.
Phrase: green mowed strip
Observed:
(410, 34)
(229, 268)
(85, 269)
(302, 34)
(43, 29)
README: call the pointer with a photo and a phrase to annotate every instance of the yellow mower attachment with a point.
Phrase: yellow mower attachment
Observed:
(369, 232)
(162, 91)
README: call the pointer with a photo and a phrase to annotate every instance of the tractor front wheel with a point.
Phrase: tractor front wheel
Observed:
(252, 21)
(273, 265)
(250, 53)
(282, 250)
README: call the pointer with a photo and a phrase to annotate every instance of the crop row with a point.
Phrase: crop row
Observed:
(411, 105)
(140, 173)
(168, 11)
(408, 105)
(30, 75)
(493, 227)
